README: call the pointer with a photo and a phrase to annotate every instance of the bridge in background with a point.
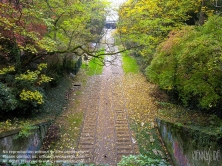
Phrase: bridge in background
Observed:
(110, 24)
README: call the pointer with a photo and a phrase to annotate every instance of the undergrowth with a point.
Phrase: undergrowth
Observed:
(140, 160)
(57, 97)
(129, 63)
(95, 65)
(56, 100)
(209, 124)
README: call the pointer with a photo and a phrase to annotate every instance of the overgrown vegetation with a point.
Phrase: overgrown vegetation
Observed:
(179, 45)
(189, 65)
(129, 63)
(64, 133)
(205, 123)
(146, 24)
(39, 56)
(33, 36)
(60, 65)
(22, 91)
(141, 160)
(94, 66)
(26, 130)
(145, 103)
(25, 126)
(181, 59)
(57, 98)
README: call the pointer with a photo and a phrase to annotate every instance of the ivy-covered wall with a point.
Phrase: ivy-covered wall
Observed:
(188, 147)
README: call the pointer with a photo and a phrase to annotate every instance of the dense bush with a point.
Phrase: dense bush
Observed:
(22, 91)
(60, 65)
(140, 160)
(189, 63)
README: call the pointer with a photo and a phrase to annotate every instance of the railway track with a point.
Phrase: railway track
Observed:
(125, 143)
(86, 144)
(106, 134)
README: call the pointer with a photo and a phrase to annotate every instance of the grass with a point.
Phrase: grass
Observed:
(70, 126)
(95, 66)
(129, 63)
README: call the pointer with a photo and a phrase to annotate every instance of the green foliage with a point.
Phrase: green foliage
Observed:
(195, 120)
(143, 25)
(7, 125)
(74, 24)
(56, 71)
(129, 64)
(56, 97)
(7, 70)
(25, 131)
(60, 65)
(189, 64)
(69, 64)
(31, 163)
(28, 76)
(30, 33)
(147, 23)
(95, 65)
(141, 160)
(33, 77)
(22, 91)
(47, 29)
(23, 36)
(8, 100)
(33, 96)
(24, 126)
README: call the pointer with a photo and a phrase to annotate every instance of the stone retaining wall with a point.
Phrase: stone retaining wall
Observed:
(188, 147)
(10, 142)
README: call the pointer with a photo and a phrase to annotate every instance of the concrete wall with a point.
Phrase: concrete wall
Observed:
(188, 147)
(9, 142)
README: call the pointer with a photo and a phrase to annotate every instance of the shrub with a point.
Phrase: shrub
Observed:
(25, 131)
(60, 65)
(23, 91)
(189, 63)
(141, 160)
(8, 99)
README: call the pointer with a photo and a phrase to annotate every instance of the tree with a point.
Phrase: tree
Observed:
(147, 23)
(32, 30)
(22, 32)
(189, 64)
(36, 28)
